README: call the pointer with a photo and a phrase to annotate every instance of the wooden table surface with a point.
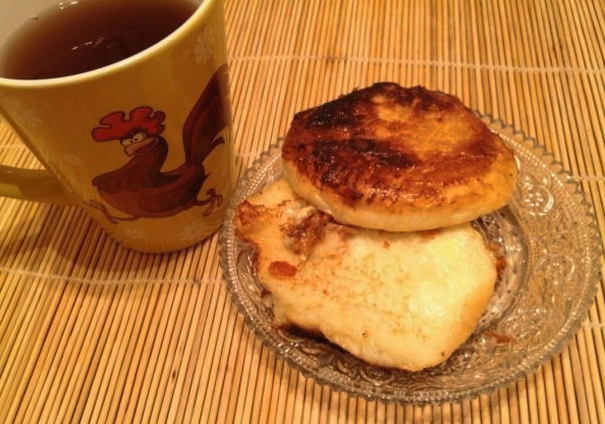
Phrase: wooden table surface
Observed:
(92, 332)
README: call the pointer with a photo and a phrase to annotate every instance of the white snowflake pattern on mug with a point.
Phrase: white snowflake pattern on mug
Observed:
(204, 44)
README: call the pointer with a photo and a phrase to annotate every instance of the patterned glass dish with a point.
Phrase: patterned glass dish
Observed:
(550, 241)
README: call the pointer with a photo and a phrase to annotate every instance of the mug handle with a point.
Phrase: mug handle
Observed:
(37, 185)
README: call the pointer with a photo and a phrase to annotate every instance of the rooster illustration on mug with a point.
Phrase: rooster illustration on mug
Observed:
(140, 188)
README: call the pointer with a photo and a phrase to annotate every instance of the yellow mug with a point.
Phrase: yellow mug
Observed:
(144, 144)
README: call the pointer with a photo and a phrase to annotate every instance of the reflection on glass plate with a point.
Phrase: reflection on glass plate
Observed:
(550, 241)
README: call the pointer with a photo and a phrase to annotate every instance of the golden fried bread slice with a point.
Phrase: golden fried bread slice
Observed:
(404, 300)
(398, 159)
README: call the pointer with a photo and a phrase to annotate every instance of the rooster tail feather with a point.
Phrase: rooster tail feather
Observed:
(210, 114)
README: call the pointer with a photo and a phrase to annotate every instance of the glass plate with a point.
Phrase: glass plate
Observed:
(550, 241)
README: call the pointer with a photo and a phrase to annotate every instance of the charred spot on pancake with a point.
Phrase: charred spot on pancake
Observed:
(247, 214)
(346, 111)
(342, 165)
(380, 153)
(282, 269)
(336, 113)
(430, 234)
(303, 235)
(247, 217)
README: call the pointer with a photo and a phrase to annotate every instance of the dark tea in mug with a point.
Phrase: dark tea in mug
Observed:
(79, 36)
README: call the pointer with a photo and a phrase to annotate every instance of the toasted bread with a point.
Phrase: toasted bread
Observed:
(398, 159)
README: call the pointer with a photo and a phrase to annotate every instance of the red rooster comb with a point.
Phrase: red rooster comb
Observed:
(115, 127)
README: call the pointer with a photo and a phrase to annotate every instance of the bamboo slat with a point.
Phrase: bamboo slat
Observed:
(92, 332)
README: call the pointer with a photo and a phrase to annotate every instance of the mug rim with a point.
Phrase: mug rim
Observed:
(112, 68)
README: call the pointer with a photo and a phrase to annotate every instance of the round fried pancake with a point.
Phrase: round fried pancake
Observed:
(395, 299)
(398, 159)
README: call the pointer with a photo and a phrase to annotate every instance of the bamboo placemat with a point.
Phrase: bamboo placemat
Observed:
(90, 331)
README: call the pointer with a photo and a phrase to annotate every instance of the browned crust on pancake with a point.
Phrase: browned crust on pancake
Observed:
(393, 146)
(282, 269)
(303, 235)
